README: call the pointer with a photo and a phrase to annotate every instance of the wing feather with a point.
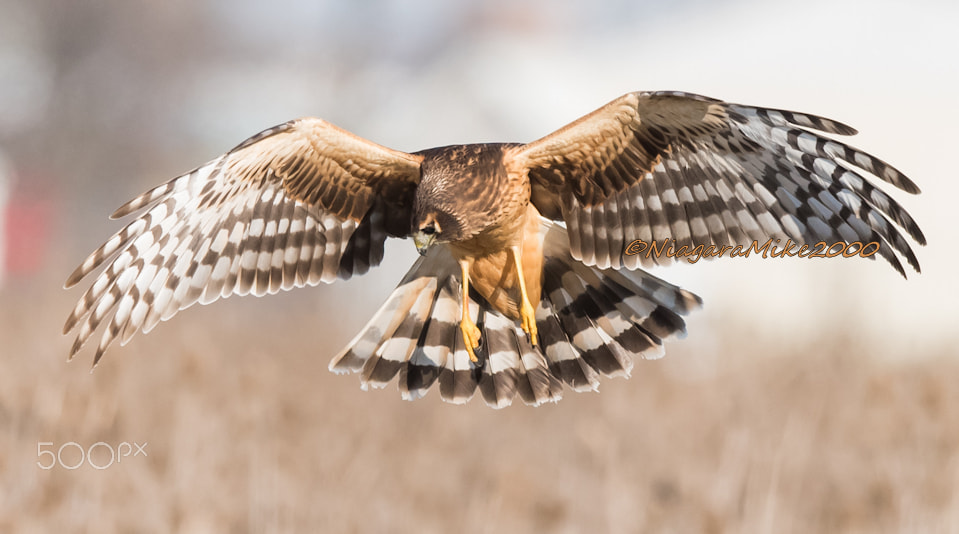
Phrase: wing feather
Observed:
(693, 170)
(276, 212)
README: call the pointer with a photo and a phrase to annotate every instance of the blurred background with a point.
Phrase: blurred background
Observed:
(809, 395)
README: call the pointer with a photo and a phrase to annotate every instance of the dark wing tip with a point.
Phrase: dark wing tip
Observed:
(908, 186)
(836, 127)
(122, 211)
(77, 345)
(96, 358)
(68, 325)
(692, 301)
(74, 277)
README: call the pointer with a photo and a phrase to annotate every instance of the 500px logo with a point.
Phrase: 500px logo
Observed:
(65, 458)
(692, 254)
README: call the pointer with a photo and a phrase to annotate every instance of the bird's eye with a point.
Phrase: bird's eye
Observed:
(429, 230)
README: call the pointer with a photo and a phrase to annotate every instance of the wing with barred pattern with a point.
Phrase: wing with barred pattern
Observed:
(299, 204)
(675, 166)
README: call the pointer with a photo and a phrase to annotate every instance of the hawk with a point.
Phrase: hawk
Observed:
(523, 285)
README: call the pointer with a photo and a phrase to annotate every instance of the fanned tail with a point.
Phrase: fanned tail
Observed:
(591, 323)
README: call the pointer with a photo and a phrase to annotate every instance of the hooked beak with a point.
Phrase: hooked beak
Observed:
(423, 241)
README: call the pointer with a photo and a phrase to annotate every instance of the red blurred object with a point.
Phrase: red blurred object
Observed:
(29, 216)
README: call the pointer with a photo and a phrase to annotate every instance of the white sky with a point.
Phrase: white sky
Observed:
(428, 75)
(411, 75)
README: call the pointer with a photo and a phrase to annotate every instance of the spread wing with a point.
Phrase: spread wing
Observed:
(675, 166)
(294, 205)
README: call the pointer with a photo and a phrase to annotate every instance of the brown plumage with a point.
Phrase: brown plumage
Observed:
(513, 294)
(489, 211)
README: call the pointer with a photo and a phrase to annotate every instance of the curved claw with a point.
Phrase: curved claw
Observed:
(471, 337)
(528, 315)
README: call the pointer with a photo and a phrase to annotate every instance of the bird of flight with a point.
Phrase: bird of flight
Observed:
(524, 286)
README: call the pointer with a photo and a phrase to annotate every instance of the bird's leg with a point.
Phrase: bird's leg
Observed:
(471, 334)
(526, 311)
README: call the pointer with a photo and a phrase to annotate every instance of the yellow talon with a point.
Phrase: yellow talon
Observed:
(529, 319)
(471, 337)
(526, 312)
(471, 334)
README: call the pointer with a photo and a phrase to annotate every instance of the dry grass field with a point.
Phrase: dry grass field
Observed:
(247, 431)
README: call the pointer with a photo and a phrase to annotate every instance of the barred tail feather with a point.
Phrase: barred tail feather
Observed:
(537, 384)
(591, 323)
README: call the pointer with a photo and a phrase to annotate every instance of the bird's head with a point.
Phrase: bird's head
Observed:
(434, 227)
(426, 233)
(452, 200)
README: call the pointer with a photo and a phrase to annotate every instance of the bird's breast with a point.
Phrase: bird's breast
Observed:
(493, 273)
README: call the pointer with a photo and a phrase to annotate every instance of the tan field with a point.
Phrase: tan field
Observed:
(245, 430)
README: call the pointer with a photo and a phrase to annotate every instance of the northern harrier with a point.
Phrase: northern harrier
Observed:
(519, 288)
